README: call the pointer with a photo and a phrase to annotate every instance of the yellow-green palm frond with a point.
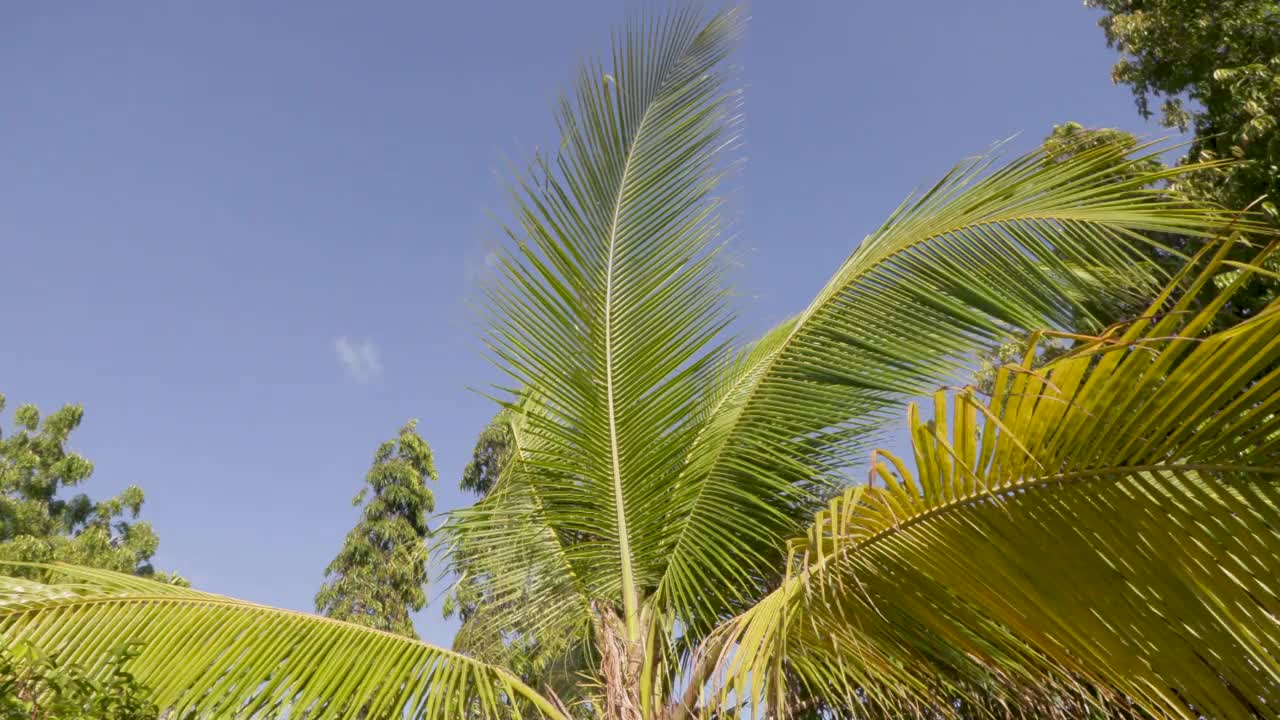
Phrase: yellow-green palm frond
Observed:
(1102, 533)
(981, 256)
(222, 657)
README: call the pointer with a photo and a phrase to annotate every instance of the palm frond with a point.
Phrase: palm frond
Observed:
(529, 599)
(223, 657)
(723, 548)
(610, 302)
(1103, 533)
(983, 255)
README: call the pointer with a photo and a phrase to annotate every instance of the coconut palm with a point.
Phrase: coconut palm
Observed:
(678, 530)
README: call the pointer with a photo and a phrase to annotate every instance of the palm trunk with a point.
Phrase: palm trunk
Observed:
(621, 667)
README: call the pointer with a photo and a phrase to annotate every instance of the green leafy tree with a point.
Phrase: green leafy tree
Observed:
(35, 686)
(492, 450)
(491, 454)
(677, 507)
(38, 524)
(489, 457)
(380, 575)
(1212, 68)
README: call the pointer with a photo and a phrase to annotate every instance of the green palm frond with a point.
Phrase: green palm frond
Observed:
(610, 303)
(520, 567)
(1102, 533)
(983, 255)
(230, 658)
(725, 552)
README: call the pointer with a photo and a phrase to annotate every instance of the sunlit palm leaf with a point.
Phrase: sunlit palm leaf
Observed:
(229, 658)
(610, 301)
(980, 256)
(1105, 533)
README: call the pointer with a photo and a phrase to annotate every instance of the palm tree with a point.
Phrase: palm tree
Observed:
(679, 522)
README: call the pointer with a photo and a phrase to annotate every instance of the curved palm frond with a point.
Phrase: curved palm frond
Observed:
(223, 657)
(723, 542)
(529, 600)
(1102, 534)
(981, 256)
(609, 302)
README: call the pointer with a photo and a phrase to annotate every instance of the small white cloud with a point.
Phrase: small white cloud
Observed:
(475, 271)
(361, 360)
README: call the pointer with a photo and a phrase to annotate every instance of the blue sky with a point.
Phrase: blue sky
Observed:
(247, 235)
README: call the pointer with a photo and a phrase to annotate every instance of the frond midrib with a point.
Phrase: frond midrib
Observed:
(630, 599)
(1034, 482)
(630, 593)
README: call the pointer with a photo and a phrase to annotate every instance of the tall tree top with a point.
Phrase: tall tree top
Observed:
(379, 576)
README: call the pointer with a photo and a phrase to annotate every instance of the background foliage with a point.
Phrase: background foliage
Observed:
(1213, 68)
(40, 523)
(35, 686)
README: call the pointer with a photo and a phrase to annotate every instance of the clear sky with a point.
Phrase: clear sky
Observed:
(245, 235)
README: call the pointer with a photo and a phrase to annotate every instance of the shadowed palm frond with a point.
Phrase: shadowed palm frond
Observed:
(1101, 533)
(229, 658)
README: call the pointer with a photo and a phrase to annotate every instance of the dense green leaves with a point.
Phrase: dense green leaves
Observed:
(37, 524)
(1215, 69)
(492, 452)
(380, 575)
(35, 686)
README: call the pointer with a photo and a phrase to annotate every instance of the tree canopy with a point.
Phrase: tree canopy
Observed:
(380, 575)
(490, 455)
(40, 523)
(36, 686)
(1214, 68)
